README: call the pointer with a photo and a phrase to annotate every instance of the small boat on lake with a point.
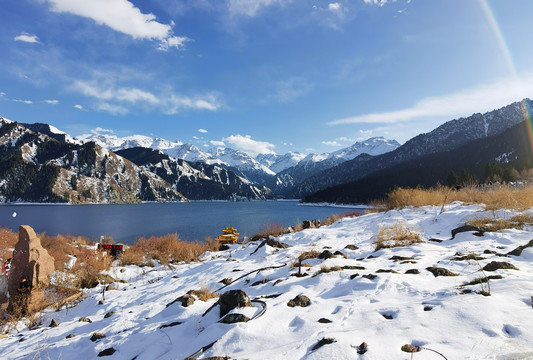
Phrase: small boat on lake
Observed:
(229, 235)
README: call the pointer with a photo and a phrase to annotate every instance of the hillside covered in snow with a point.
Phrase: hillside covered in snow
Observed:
(461, 296)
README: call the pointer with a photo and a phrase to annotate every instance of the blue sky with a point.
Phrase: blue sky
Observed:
(261, 75)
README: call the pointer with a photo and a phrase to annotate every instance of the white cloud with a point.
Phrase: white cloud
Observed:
(250, 146)
(79, 107)
(25, 37)
(99, 130)
(122, 16)
(2, 94)
(463, 103)
(218, 143)
(23, 101)
(250, 8)
(331, 143)
(377, 2)
(203, 131)
(52, 102)
(334, 6)
(113, 98)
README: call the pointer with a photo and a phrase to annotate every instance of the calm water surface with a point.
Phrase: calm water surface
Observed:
(192, 221)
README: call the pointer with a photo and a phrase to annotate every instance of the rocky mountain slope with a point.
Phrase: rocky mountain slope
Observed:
(448, 136)
(37, 168)
(505, 153)
(195, 180)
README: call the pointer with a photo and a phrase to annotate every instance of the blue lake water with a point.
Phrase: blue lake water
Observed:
(192, 220)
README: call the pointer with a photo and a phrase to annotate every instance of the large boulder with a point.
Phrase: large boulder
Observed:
(32, 261)
(233, 299)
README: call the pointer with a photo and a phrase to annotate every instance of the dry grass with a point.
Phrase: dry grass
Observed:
(270, 230)
(326, 269)
(311, 254)
(203, 294)
(492, 224)
(86, 273)
(499, 197)
(8, 239)
(396, 235)
(166, 249)
(331, 219)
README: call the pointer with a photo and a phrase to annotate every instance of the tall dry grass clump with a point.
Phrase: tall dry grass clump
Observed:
(165, 249)
(86, 273)
(493, 197)
(8, 239)
(396, 235)
(332, 218)
(270, 230)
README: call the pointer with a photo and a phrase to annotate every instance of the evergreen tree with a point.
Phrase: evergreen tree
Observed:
(452, 180)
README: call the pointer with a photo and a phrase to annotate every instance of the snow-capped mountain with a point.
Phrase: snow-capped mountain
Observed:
(52, 131)
(190, 152)
(113, 142)
(278, 163)
(249, 167)
(373, 146)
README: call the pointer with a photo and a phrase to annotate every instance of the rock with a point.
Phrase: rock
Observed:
(438, 271)
(101, 302)
(324, 321)
(496, 265)
(107, 352)
(401, 258)
(226, 281)
(260, 282)
(518, 250)
(97, 336)
(370, 276)
(70, 336)
(363, 348)
(109, 314)
(272, 243)
(231, 300)
(322, 342)
(428, 308)
(31, 260)
(300, 300)
(339, 253)
(326, 254)
(412, 271)
(110, 287)
(465, 228)
(54, 323)
(387, 271)
(408, 348)
(234, 318)
(351, 247)
(353, 267)
(353, 276)
(84, 319)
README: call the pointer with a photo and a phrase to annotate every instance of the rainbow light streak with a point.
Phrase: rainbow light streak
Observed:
(526, 112)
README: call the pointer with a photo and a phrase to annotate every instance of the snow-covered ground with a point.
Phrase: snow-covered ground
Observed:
(386, 312)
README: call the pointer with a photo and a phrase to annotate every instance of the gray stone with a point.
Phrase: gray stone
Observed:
(233, 299)
(300, 300)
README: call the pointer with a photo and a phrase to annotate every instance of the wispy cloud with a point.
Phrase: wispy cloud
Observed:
(463, 103)
(203, 131)
(377, 2)
(79, 107)
(250, 8)
(25, 37)
(23, 101)
(124, 17)
(113, 99)
(250, 146)
(291, 89)
(217, 143)
(100, 130)
(52, 102)
(331, 143)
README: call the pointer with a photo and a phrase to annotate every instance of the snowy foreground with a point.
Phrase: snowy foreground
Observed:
(386, 312)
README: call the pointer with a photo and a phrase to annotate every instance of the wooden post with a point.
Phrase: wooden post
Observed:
(532, 301)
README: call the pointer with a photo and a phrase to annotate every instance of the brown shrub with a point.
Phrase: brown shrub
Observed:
(8, 239)
(311, 254)
(395, 236)
(269, 230)
(326, 269)
(89, 265)
(166, 249)
(493, 224)
(495, 197)
(203, 294)
(60, 247)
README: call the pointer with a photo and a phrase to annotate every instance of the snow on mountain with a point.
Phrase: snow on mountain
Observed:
(190, 152)
(52, 131)
(385, 299)
(278, 163)
(113, 142)
(373, 146)
(239, 160)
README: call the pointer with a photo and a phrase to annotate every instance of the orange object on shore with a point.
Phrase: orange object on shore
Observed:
(229, 236)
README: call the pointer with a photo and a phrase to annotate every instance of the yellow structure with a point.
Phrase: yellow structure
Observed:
(229, 236)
